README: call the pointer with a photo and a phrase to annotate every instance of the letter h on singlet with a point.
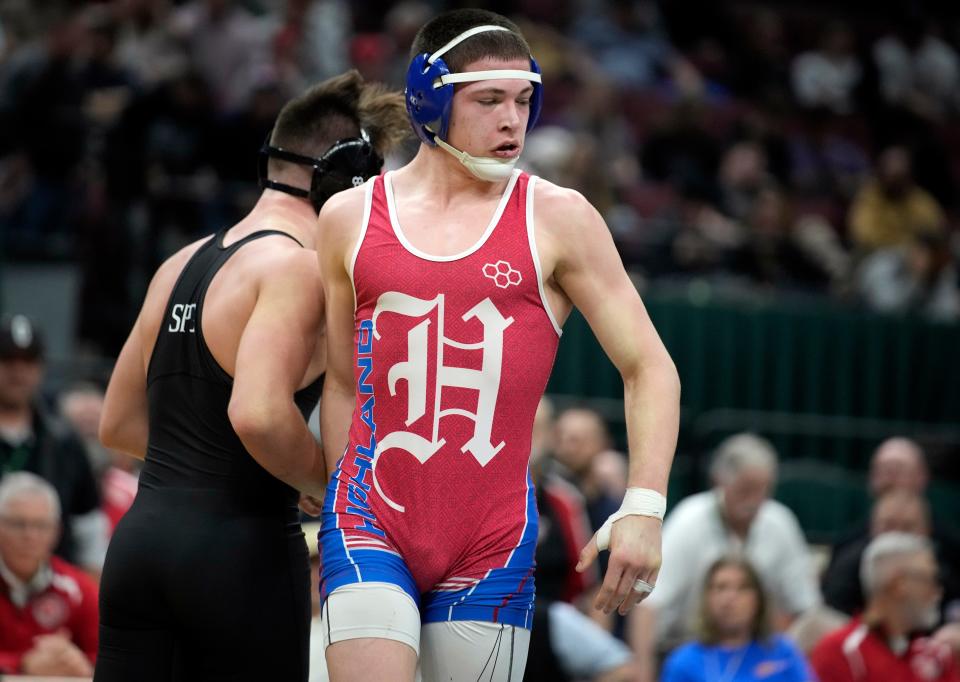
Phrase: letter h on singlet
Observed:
(414, 370)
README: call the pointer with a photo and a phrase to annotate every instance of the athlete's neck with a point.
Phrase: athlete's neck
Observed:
(278, 211)
(447, 178)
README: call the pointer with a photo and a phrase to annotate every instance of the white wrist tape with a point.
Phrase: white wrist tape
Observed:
(636, 502)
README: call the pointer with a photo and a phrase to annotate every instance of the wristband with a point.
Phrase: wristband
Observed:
(636, 502)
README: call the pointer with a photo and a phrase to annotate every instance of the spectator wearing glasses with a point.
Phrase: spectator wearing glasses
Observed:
(902, 587)
(48, 607)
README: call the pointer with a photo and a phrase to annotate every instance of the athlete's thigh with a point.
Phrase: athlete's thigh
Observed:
(371, 632)
(130, 654)
(245, 604)
(467, 651)
(137, 640)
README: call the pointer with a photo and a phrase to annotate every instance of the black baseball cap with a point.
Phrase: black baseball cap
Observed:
(20, 338)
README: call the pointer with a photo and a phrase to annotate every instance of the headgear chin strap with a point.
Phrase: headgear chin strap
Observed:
(486, 168)
(348, 163)
(429, 98)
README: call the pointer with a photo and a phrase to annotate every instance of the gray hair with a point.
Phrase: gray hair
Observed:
(879, 560)
(23, 483)
(742, 451)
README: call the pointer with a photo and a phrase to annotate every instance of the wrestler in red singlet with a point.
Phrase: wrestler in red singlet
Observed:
(439, 422)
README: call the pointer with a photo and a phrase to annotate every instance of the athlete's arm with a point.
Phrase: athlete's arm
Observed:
(582, 263)
(273, 355)
(338, 229)
(123, 422)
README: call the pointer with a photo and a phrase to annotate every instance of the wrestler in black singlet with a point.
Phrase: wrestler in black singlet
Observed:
(207, 576)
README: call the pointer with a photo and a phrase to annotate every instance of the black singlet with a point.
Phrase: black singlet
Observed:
(207, 575)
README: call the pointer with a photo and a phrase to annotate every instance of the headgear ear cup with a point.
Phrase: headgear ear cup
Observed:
(536, 99)
(348, 163)
(429, 106)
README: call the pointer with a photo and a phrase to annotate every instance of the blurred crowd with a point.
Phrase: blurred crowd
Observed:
(757, 146)
(762, 148)
(740, 585)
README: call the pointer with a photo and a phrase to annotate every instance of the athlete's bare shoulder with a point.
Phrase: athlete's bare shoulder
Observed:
(561, 208)
(164, 279)
(566, 224)
(341, 220)
(158, 293)
(273, 258)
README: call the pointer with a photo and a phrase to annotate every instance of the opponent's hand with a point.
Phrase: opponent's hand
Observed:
(310, 505)
(634, 555)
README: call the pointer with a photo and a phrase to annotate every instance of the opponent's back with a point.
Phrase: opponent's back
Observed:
(192, 443)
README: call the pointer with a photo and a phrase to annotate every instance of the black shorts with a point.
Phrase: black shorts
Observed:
(196, 588)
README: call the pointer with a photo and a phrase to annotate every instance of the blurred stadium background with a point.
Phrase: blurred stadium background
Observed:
(780, 176)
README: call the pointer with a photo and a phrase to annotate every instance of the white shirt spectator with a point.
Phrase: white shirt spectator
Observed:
(823, 81)
(694, 536)
(933, 69)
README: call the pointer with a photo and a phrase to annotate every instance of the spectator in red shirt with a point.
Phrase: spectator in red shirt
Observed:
(48, 608)
(899, 576)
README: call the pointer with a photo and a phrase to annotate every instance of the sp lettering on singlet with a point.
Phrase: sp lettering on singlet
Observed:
(414, 371)
(181, 316)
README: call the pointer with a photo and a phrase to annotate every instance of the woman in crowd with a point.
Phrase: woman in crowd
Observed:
(735, 643)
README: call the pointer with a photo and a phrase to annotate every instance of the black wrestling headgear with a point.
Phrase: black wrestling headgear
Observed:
(348, 163)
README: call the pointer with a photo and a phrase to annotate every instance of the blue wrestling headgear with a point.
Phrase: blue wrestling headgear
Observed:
(429, 92)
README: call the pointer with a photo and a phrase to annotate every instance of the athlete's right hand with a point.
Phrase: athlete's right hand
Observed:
(310, 505)
(634, 555)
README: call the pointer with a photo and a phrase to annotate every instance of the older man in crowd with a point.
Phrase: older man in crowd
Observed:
(48, 608)
(900, 580)
(736, 516)
(33, 439)
(900, 510)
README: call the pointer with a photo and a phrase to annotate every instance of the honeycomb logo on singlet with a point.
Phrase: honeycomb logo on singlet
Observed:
(414, 371)
(502, 274)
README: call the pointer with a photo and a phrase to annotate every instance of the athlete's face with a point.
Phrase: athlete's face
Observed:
(731, 601)
(489, 118)
(28, 533)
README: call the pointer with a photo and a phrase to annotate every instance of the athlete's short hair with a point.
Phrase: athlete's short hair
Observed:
(339, 108)
(23, 483)
(499, 44)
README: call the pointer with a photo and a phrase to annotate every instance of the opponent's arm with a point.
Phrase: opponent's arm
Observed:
(588, 270)
(124, 422)
(337, 228)
(273, 355)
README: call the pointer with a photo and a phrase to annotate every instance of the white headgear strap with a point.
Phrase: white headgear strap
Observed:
(471, 76)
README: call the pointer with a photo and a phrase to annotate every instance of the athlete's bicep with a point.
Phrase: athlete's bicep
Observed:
(338, 229)
(123, 421)
(591, 274)
(278, 340)
(337, 233)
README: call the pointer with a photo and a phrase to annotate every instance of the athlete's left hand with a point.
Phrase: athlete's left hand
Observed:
(634, 555)
(310, 505)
